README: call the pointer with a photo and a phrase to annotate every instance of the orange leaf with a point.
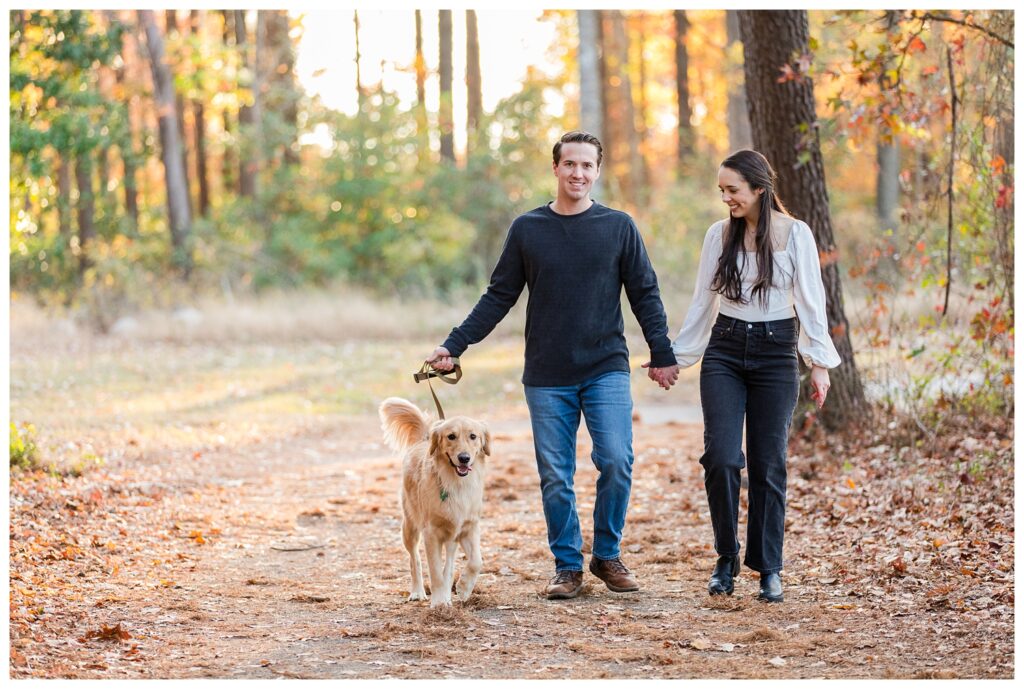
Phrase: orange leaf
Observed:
(916, 45)
(850, 483)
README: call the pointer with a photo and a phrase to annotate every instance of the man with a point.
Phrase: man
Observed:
(576, 256)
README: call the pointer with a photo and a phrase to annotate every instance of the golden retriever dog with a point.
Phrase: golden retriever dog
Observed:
(442, 494)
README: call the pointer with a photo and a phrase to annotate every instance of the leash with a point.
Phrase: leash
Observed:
(427, 372)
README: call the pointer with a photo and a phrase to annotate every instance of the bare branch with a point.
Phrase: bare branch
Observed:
(961, 22)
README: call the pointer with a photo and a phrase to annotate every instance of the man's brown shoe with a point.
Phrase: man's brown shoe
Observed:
(565, 584)
(614, 575)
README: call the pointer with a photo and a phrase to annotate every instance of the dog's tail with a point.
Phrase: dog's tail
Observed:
(403, 423)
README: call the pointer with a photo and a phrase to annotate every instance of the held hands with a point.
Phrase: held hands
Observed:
(665, 376)
(820, 385)
(441, 359)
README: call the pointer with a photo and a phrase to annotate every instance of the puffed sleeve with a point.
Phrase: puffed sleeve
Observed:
(693, 337)
(815, 344)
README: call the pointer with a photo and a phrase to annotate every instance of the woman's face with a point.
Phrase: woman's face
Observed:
(743, 202)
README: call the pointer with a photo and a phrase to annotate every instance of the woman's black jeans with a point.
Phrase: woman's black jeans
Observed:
(749, 369)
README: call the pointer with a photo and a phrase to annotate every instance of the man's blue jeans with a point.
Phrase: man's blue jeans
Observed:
(607, 407)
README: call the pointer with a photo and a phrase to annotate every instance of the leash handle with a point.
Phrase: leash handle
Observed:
(427, 372)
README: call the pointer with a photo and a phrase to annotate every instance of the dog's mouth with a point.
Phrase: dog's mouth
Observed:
(461, 469)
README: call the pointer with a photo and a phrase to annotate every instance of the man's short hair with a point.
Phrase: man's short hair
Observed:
(577, 137)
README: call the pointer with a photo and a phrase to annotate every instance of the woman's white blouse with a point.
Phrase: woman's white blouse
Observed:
(797, 285)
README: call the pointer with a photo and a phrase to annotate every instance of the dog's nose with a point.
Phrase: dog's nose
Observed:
(464, 457)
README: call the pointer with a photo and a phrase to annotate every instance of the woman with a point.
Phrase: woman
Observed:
(759, 275)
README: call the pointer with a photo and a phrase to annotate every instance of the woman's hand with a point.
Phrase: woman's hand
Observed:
(820, 384)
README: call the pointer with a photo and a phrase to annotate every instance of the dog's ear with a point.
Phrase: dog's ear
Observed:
(435, 438)
(487, 441)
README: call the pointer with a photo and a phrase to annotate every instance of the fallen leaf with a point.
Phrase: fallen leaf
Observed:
(700, 644)
(106, 633)
(304, 598)
(777, 661)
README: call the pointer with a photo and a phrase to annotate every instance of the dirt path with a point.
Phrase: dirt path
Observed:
(285, 560)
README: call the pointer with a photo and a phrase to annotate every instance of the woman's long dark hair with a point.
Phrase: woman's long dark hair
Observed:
(758, 173)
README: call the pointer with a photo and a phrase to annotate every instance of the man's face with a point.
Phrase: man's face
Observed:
(576, 170)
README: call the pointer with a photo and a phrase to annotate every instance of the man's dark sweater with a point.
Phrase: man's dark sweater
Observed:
(575, 267)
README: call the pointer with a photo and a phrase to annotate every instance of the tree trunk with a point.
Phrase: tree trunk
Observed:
(887, 181)
(784, 127)
(131, 194)
(1002, 147)
(422, 132)
(474, 86)
(174, 163)
(86, 209)
(445, 120)
(360, 92)
(171, 19)
(64, 194)
(283, 95)
(621, 123)
(738, 120)
(199, 117)
(639, 44)
(590, 79)
(228, 163)
(247, 165)
(685, 137)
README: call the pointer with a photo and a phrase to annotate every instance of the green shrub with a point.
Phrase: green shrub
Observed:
(24, 451)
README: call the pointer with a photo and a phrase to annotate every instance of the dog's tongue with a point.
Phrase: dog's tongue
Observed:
(463, 471)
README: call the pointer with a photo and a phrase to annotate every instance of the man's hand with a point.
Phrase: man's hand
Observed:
(665, 376)
(441, 360)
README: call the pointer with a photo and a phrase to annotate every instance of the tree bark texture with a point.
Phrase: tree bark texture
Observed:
(171, 20)
(737, 119)
(685, 137)
(784, 125)
(174, 163)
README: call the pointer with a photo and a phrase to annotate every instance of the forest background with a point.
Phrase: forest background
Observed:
(157, 157)
(203, 252)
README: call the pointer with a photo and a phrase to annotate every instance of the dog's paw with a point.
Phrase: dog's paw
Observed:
(464, 592)
(417, 595)
(440, 602)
